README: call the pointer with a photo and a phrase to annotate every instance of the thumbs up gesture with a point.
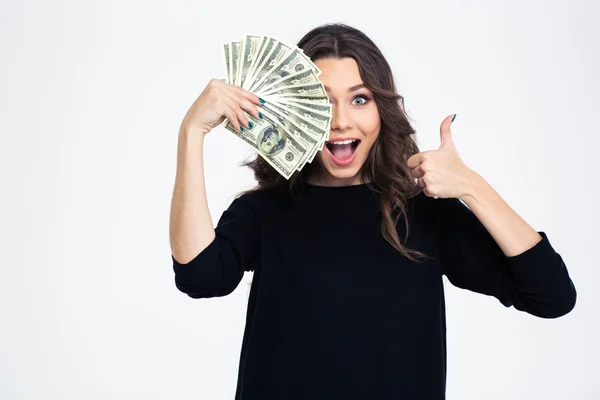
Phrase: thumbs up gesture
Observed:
(441, 172)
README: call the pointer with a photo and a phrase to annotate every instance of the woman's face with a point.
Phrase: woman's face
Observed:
(355, 119)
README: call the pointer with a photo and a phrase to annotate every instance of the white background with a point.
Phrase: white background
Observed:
(92, 97)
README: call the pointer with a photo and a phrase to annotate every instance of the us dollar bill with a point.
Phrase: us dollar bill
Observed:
(323, 100)
(279, 51)
(265, 49)
(314, 130)
(297, 113)
(305, 77)
(315, 150)
(280, 150)
(295, 61)
(316, 118)
(313, 90)
(320, 108)
(227, 63)
(305, 140)
(250, 48)
(235, 58)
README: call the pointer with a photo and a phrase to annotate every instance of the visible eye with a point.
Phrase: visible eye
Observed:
(360, 97)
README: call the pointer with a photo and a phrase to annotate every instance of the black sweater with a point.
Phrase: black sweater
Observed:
(335, 312)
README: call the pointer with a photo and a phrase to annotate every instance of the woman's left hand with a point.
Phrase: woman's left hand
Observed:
(441, 172)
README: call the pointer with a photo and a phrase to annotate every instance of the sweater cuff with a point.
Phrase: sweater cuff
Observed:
(536, 264)
(199, 265)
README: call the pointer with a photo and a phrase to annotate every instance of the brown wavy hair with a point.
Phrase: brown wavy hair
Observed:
(386, 164)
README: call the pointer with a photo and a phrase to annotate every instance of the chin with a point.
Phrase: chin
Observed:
(346, 173)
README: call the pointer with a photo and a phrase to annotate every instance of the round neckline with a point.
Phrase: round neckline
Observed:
(346, 186)
(360, 186)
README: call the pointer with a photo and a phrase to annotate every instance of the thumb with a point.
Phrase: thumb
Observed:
(446, 141)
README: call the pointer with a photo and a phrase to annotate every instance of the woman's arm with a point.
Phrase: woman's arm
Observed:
(489, 249)
(190, 229)
(512, 234)
(209, 261)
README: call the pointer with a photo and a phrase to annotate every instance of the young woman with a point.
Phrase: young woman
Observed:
(347, 297)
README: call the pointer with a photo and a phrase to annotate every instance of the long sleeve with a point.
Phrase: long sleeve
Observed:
(535, 281)
(218, 269)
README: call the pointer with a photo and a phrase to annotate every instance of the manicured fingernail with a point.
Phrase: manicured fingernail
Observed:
(453, 118)
(260, 116)
(250, 124)
(241, 129)
(261, 100)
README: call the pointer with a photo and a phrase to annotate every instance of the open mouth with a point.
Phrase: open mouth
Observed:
(343, 151)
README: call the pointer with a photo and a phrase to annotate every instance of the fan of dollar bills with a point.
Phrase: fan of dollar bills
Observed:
(296, 113)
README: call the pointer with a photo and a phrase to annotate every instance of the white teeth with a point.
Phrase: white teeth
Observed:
(344, 142)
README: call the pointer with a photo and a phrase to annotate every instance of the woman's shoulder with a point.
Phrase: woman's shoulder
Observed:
(260, 196)
(261, 201)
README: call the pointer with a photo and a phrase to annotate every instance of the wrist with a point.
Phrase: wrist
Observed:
(185, 130)
(475, 184)
(190, 140)
(192, 135)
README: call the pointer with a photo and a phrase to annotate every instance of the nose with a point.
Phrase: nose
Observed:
(340, 119)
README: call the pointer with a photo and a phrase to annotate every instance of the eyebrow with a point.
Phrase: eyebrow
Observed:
(350, 89)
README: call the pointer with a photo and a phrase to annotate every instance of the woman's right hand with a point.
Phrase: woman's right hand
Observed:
(220, 100)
